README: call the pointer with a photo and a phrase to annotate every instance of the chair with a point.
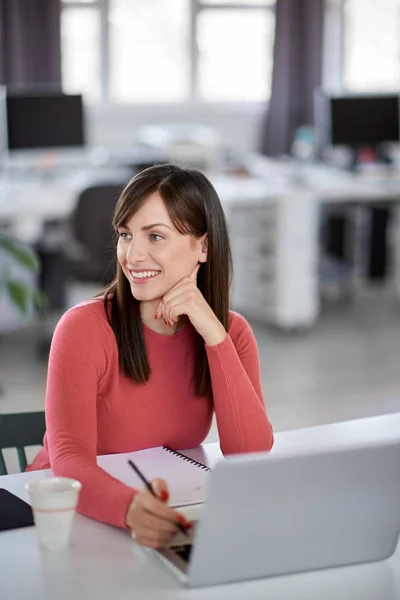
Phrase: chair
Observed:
(340, 251)
(90, 253)
(18, 430)
(83, 248)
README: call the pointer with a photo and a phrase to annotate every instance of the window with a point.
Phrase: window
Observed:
(164, 51)
(80, 59)
(224, 72)
(371, 45)
(148, 50)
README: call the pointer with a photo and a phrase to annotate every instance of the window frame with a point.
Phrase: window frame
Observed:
(334, 51)
(195, 9)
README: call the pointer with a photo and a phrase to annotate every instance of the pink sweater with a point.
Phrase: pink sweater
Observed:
(93, 408)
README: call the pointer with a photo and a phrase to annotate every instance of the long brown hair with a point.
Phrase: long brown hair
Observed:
(195, 209)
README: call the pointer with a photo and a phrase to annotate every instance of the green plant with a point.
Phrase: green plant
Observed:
(21, 294)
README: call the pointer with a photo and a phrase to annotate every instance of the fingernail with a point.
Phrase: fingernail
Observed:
(188, 526)
(181, 519)
(156, 315)
(164, 495)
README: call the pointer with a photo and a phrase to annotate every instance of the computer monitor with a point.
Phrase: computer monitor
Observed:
(364, 120)
(44, 120)
(366, 124)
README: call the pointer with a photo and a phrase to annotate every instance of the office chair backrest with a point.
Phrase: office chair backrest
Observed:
(18, 430)
(91, 227)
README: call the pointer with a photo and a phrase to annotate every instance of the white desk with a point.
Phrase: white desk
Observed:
(273, 220)
(27, 202)
(103, 562)
(275, 239)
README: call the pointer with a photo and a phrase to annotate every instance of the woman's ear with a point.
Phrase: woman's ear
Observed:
(203, 249)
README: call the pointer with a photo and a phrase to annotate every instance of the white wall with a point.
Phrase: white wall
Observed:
(239, 125)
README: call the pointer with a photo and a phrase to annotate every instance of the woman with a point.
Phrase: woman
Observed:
(149, 363)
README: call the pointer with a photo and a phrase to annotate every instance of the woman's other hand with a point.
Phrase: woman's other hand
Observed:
(150, 518)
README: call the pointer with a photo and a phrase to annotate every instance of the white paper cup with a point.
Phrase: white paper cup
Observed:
(54, 501)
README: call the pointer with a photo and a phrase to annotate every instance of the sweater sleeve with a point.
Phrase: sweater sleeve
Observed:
(78, 358)
(242, 421)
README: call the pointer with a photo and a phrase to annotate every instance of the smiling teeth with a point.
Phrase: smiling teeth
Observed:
(144, 274)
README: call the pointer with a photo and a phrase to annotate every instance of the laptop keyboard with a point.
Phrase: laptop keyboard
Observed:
(183, 551)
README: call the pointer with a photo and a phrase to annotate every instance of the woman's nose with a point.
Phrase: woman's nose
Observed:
(136, 251)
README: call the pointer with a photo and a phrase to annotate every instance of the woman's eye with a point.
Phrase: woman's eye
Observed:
(123, 235)
(155, 237)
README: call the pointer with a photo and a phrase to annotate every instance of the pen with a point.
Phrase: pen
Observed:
(148, 485)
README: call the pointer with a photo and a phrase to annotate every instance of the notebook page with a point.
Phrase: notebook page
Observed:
(186, 481)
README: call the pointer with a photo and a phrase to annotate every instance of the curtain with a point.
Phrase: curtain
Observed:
(297, 71)
(30, 46)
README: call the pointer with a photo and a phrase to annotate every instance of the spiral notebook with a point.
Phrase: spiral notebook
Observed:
(186, 478)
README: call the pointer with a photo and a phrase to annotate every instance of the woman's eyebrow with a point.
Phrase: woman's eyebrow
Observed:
(147, 227)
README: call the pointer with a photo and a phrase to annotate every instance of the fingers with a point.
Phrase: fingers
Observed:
(154, 534)
(154, 523)
(144, 502)
(155, 506)
(161, 489)
(150, 542)
(175, 309)
(186, 281)
(159, 313)
(154, 526)
(182, 293)
(176, 290)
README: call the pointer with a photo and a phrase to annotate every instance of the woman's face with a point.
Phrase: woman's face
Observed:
(153, 255)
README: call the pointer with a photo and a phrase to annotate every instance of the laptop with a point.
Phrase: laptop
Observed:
(276, 514)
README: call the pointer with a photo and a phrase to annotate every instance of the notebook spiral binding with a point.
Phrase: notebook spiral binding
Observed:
(187, 459)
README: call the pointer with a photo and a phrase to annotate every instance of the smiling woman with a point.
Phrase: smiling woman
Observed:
(150, 362)
(170, 221)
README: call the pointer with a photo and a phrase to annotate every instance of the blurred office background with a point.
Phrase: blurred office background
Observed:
(291, 107)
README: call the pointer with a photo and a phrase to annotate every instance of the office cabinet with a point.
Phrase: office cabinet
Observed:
(275, 261)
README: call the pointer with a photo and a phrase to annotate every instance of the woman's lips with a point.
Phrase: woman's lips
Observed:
(141, 277)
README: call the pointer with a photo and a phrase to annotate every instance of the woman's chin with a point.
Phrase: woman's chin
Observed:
(140, 293)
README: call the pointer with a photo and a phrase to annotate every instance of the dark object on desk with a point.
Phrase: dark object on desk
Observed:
(148, 486)
(52, 278)
(364, 123)
(183, 551)
(378, 257)
(14, 512)
(44, 119)
(341, 234)
(336, 232)
(90, 252)
(18, 430)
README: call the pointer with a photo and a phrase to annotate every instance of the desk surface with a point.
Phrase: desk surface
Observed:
(104, 563)
(54, 196)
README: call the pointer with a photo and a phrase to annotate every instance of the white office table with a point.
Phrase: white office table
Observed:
(103, 563)
(27, 202)
(273, 220)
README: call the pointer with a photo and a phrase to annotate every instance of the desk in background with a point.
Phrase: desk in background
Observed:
(274, 222)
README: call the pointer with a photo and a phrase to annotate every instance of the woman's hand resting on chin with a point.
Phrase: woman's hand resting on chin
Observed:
(185, 298)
